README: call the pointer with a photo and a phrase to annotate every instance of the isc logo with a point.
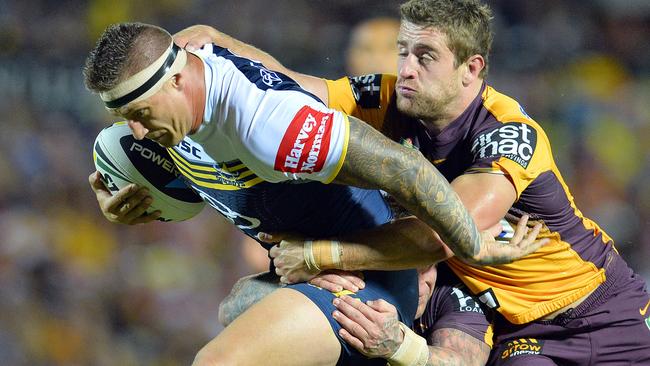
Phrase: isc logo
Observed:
(515, 141)
(190, 149)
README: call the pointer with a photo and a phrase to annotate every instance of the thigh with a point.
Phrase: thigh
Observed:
(622, 327)
(614, 332)
(284, 328)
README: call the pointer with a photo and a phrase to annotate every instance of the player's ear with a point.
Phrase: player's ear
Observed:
(177, 81)
(473, 67)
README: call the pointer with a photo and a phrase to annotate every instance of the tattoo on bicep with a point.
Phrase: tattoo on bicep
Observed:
(374, 161)
(454, 347)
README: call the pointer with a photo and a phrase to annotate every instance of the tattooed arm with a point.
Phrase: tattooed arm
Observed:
(246, 292)
(374, 161)
(452, 347)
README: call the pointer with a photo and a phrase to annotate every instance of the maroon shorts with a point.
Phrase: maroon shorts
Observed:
(611, 327)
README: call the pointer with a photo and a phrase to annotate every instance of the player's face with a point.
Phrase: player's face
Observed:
(428, 81)
(165, 117)
(426, 281)
(372, 48)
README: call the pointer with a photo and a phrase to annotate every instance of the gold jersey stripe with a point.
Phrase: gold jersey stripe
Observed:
(235, 185)
(181, 160)
(214, 175)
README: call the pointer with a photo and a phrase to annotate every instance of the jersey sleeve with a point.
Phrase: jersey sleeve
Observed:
(365, 97)
(292, 137)
(513, 145)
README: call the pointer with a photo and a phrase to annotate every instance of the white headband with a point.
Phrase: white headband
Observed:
(147, 82)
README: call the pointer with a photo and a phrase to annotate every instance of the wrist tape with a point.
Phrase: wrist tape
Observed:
(412, 352)
(322, 254)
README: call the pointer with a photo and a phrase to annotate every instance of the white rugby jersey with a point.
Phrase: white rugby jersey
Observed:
(261, 135)
(265, 120)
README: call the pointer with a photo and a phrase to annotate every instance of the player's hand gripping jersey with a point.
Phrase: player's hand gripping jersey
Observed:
(496, 135)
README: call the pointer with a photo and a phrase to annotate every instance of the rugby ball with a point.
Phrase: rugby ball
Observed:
(121, 160)
(507, 232)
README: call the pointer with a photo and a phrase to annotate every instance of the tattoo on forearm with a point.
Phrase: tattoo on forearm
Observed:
(374, 161)
(452, 347)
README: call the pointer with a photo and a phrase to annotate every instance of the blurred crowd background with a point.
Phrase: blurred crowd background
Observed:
(77, 290)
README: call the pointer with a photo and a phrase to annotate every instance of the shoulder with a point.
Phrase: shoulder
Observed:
(508, 131)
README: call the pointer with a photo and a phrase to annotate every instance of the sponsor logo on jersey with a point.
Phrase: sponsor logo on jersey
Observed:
(489, 299)
(515, 141)
(465, 302)
(305, 144)
(241, 221)
(522, 347)
(366, 90)
(269, 77)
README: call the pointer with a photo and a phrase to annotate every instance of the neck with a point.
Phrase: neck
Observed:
(457, 106)
(198, 92)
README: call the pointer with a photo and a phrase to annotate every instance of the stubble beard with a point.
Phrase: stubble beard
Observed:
(427, 107)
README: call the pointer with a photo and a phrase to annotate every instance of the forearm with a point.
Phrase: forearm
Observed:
(374, 161)
(459, 349)
(402, 244)
(439, 356)
(246, 50)
(448, 346)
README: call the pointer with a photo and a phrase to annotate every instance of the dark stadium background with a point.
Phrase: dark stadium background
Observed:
(76, 290)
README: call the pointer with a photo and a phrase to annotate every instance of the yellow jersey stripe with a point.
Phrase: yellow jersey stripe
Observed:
(180, 159)
(339, 165)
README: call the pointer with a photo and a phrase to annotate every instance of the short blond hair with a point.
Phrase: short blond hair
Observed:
(466, 24)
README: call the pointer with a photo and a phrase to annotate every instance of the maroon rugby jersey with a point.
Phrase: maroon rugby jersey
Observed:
(495, 135)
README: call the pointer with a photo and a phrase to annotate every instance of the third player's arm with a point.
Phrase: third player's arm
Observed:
(404, 243)
(452, 347)
(374, 161)
(198, 35)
